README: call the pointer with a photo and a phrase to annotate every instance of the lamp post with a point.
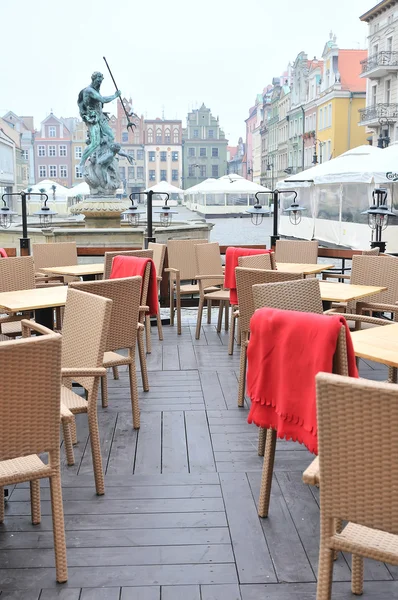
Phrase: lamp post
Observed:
(258, 211)
(315, 157)
(133, 214)
(6, 214)
(270, 167)
(383, 141)
(45, 214)
(378, 217)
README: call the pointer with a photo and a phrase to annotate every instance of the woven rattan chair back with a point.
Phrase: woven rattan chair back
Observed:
(54, 255)
(159, 251)
(208, 262)
(257, 261)
(17, 274)
(126, 296)
(245, 279)
(84, 332)
(372, 252)
(376, 270)
(109, 256)
(181, 256)
(289, 251)
(304, 296)
(30, 387)
(357, 436)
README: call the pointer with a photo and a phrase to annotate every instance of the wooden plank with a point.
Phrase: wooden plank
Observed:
(107, 422)
(11, 252)
(253, 561)
(212, 391)
(154, 360)
(22, 595)
(181, 592)
(123, 448)
(61, 594)
(220, 592)
(141, 593)
(200, 451)
(187, 358)
(100, 593)
(229, 386)
(148, 457)
(286, 549)
(174, 443)
(380, 590)
(100, 250)
(171, 360)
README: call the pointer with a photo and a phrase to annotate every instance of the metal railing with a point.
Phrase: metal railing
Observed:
(378, 111)
(381, 59)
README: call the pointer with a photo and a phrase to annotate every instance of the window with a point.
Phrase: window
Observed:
(191, 152)
(202, 171)
(329, 115)
(321, 118)
(214, 152)
(211, 133)
(176, 136)
(151, 157)
(25, 154)
(174, 156)
(375, 49)
(122, 172)
(389, 45)
(130, 172)
(163, 156)
(52, 131)
(174, 175)
(78, 151)
(152, 175)
(140, 172)
(78, 172)
(63, 171)
(374, 95)
(52, 151)
(191, 171)
(158, 136)
(214, 170)
(167, 137)
(131, 153)
(196, 133)
(62, 150)
(41, 151)
(140, 155)
(150, 136)
(42, 171)
(388, 91)
(52, 170)
(125, 136)
(163, 175)
(202, 152)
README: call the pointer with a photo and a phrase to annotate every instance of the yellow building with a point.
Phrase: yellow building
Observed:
(342, 95)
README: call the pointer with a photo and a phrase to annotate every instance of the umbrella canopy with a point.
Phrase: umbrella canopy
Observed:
(81, 189)
(46, 185)
(228, 184)
(163, 187)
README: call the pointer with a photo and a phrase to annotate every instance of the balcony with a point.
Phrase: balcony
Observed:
(379, 65)
(370, 115)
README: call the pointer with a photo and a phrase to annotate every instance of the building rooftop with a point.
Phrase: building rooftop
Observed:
(377, 10)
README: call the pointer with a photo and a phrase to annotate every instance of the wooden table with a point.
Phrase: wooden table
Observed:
(42, 300)
(344, 292)
(88, 271)
(307, 269)
(379, 344)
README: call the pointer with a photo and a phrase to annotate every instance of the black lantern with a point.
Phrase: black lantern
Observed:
(378, 217)
(258, 211)
(383, 140)
(166, 214)
(45, 214)
(295, 211)
(6, 215)
(132, 213)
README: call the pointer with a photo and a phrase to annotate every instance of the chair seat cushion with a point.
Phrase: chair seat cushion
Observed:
(311, 474)
(218, 295)
(12, 328)
(114, 359)
(75, 403)
(190, 288)
(23, 468)
(368, 542)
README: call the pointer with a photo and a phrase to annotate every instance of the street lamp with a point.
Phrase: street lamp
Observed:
(166, 214)
(24, 241)
(384, 140)
(45, 214)
(132, 213)
(270, 167)
(6, 214)
(315, 157)
(258, 211)
(378, 217)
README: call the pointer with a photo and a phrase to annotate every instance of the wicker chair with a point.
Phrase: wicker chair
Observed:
(209, 273)
(60, 254)
(159, 253)
(245, 279)
(357, 431)
(30, 384)
(182, 267)
(15, 274)
(109, 256)
(287, 251)
(84, 336)
(125, 295)
(372, 252)
(257, 261)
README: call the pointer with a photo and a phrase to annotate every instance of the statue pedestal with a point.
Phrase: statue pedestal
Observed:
(100, 211)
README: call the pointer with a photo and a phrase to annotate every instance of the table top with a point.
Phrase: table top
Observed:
(76, 270)
(379, 344)
(344, 292)
(45, 297)
(307, 269)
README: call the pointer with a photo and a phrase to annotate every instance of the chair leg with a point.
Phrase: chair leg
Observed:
(262, 436)
(142, 357)
(268, 469)
(226, 316)
(104, 390)
(115, 372)
(72, 428)
(159, 324)
(325, 573)
(231, 340)
(148, 334)
(96, 452)
(1, 505)
(70, 457)
(57, 510)
(35, 501)
(208, 312)
(242, 375)
(357, 575)
(220, 313)
(239, 336)
(199, 318)
(171, 301)
(178, 302)
(392, 374)
(134, 395)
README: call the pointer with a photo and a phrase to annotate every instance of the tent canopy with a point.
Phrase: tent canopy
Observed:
(46, 185)
(164, 187)
(81, 189)
(228, 184)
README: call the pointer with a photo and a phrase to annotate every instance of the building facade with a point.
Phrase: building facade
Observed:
(236, 158)
(296, 115)
(25, 128)
(53, 146)
(379, 70)
(283, 133)
(204, 148)
(163, 151)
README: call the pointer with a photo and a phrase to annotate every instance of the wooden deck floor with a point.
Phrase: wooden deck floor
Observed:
(178, 520)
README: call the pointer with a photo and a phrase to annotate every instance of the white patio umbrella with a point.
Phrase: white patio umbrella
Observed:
(165, 187)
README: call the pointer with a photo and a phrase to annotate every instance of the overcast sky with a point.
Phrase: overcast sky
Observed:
(174, 54)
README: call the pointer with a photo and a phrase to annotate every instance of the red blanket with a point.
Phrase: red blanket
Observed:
(130, 266)
(286, 350)
(3, 253)
(231, 262)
